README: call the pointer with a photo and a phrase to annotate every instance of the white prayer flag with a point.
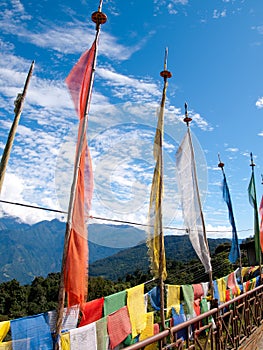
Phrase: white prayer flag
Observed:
(190, 199)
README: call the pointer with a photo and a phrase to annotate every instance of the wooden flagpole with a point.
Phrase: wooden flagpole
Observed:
(19, 103)
(221, 165)
(99, 18)
(165, 74)
(252, 164)
(187, 120)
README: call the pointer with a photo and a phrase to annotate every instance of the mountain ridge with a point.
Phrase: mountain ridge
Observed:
(27, 251)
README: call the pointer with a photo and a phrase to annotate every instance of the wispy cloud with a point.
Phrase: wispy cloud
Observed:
(219, 13)
(259, 102)
(232, 149)
(66, 37)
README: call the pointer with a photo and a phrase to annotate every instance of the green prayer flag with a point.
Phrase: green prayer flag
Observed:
(253, 201)
(114, 302)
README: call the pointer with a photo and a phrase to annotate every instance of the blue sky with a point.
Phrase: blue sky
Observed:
(215, 56)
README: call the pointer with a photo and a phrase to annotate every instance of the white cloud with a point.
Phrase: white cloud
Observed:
(12, 191)
(219, 14)
(70, 37)
(259, 102)
(233, 149)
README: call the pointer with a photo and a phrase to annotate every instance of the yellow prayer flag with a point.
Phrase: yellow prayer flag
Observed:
(155, 240)
(136, 308)
(6, 345)
(65, 341)
(221, 283)
(173, 298)
(4, 328)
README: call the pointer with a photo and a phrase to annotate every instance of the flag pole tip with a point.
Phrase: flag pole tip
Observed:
(166, 74)
(187, 119)
(99, 17)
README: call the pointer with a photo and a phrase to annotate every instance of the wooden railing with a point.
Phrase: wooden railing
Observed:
(223, 328)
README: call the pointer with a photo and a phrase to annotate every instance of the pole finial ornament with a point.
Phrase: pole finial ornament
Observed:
(165, 73)
(187, 119)
(220, 164)
(252, 164)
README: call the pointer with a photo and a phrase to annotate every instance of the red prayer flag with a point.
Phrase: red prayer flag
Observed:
(119, 326)
(91, 311)
(261, 223)
(79, 83)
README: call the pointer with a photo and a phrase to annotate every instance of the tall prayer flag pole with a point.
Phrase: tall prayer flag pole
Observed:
(190, 197)
(155, 240)
(261, 219)
(80, 83)
(234, 253)
(19, 103)
(253, 201)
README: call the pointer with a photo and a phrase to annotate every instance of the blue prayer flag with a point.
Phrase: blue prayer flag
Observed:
(32, 333)
(234, 253)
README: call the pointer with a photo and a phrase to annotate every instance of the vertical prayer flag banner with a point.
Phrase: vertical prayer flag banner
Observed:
(191, 206)
(261, 223)
(79, 82)
(253, 201)
(154, 230)
(234, 253)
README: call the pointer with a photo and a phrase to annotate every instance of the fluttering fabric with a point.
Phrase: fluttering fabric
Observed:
(234, 253)
(119, 326)
(253, 201)
(188, 294)
(205, 286)
(4, 328)
(75, 275)
(232, 283)
(32, 333)
(221, 283)
(244, 270)
(155, 240)
(198, 291)
(173, 298)
(102, 334)
(114, 302)
(69, 319)
(190, 199)
(91, 311)
(83, 338)
(148, 330)
(178, 318)
(136, 308)
(155, 298)
(216, 293)
(65, 341)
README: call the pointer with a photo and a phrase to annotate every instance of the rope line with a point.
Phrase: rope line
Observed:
(110, 220)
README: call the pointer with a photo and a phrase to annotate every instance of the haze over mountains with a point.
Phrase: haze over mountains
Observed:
(29, 251)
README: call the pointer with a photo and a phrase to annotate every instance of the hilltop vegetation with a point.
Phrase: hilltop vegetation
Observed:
(22, 300)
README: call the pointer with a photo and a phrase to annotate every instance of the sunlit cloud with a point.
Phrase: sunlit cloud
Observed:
(259, 103)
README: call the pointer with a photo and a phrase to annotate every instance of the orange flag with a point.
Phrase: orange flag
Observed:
(79, 82)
